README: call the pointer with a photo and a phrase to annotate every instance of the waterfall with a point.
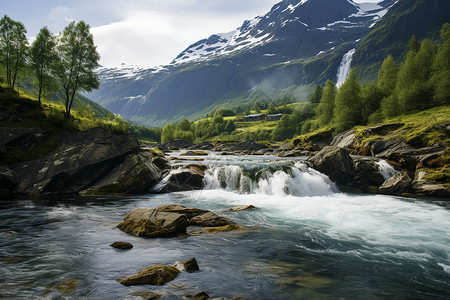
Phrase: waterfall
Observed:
(386, 169)
(344, 68)
(295, 180)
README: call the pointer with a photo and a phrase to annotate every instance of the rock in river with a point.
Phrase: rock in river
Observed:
(153, 275)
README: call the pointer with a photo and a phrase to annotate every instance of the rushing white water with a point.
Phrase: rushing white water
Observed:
(344, 68)
(296, 180)
(386, 169)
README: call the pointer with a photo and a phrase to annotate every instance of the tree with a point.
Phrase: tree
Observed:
(324, 110)
(317, 95)
(167, 133)
(78, 58)
(230, 126)
(257, 107)
(387, 76)
(13, 48)
(271, 109)
(414, 89)
(184, 125)
(43, 58)
(347, 109)
(284, 130)
(371, 100)
(441, 69)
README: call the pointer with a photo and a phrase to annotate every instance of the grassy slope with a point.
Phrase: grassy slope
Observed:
(50, 118)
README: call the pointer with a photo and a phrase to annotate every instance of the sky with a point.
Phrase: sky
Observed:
(139, 32)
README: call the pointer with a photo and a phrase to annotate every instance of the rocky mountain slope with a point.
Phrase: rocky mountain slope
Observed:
(297, 44)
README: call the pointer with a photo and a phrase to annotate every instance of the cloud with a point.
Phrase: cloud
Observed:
(156, 32)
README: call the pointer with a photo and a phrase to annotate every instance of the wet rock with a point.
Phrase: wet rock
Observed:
(293, 153)
(172, 220)
(396, 185)
(209, 219)
(431, 189)
(160, 162)
(153, 275)
(335, 162)
(242, 207)
(202, 146)
(145, 222)
(217, 229)
(194, 153)
(191, 265)
(366, 176)
(176, 145)
(80, 160)
(122, 245)
(187, 179)
(201, 296)
(344, 140)
(135, 175)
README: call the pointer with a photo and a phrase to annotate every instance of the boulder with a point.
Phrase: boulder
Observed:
(80, 161)
(146, 222)
(122, 245)
(242, 207)
(209, 219)
(431, 189)
(176, 145)
(191, 265)
(8, 179)
(160, 162)
(201, 296)
(135, 175)
(366, 176)
(334, 162)
(344, 140)
(202, 146)
(171, 220)
(398, 184)
(187, 179)
(153, 275)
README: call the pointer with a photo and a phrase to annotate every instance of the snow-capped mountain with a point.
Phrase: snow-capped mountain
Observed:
(297, 44)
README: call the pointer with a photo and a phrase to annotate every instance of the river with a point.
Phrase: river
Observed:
(305, 240)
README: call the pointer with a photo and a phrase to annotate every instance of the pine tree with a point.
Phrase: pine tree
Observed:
(441, 69)
(324, 111)
(317, 95)
(347, 110)
(371, 100)
(387, 76)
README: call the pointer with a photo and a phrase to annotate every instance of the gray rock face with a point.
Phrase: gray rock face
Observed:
(81, 160)
(187, 179)
(396, 185)
(344, 140)
(135, 175)
(335, 162)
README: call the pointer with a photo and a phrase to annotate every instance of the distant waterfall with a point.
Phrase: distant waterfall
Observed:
(344, 68)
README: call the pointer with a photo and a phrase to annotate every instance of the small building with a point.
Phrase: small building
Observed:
(255, 117)
(274, 117)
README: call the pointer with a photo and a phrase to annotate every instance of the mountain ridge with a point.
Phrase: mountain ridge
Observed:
(296, 45)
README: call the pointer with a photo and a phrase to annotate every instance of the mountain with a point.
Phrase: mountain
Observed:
(422, 18)
(297, 44)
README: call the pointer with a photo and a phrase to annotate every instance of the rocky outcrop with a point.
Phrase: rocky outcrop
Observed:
(191, 265)
(94, 162)
(432, 189)
(176, 145)
(169, 221)
(248, 145)
(242, 207)
(186, 179)
(335, 162)
(135, 175)
(398, 184)
(153, 275)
